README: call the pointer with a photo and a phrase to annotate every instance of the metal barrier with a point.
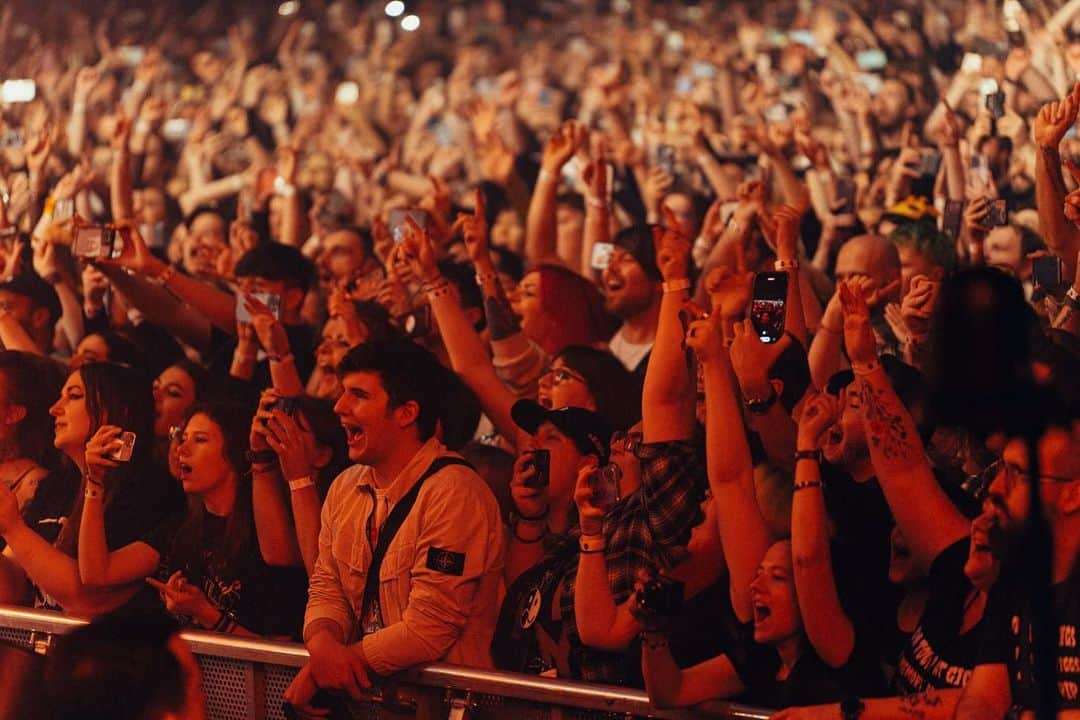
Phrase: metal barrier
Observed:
(245, 679)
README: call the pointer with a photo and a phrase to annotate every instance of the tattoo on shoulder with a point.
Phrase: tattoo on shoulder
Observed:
(914, 706)
(885, 427)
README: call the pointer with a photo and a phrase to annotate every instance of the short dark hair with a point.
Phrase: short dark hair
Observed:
(463, 278)
(924, 237)
(33, 383)
(118, 667)
(40, 293)
(277, 262)
(407, 371)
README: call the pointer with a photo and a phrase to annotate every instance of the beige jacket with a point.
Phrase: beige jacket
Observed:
(435, 604)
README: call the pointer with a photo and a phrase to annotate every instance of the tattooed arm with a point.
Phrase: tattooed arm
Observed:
(923, 511)
(929, 705)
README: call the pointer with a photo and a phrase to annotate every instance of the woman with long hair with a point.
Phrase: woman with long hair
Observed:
(131, 497)
(215, 575)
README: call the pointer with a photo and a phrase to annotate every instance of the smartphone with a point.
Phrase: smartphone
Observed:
(269, 300)
(1046, 271)
(17, 91)
(703, 70)
(126, 449)
(662, 597)
(952, 218)
(931, 162)
(604, 484)
(131, 54)
(998, 213)
(64, 209)
(995, 103)
(97, 242)
(844, 188)
(398, 225)
(869, 81)
(971, 64)
(417, 323)
(601, 255)
(665, 158)
(871, 60)
(769, 305)
(541, 462)
(286, 405)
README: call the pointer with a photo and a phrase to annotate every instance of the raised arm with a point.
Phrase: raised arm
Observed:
(278, 434)
(923, 511)
(540, 228)
(1050, 126)
(743, 532)
(668, 397)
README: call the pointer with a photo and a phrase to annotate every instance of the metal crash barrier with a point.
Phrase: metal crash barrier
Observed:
(244, 679)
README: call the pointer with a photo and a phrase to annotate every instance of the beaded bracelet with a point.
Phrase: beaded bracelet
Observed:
(808, 484)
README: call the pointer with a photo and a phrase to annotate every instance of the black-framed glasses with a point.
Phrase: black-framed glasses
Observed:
(979, 485)
(561, 375)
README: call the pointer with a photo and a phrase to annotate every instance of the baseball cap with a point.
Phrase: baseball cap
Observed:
(589, 431)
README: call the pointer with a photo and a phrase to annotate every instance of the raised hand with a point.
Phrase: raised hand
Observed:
(858, 333)
(417, 252)
(1055, 119)
(730, 291)
(474, 231)
(672, 249)
(751, 358)
(99, 450)
(706, 338)
(591, 517)
(1072, 200)
(819, 413)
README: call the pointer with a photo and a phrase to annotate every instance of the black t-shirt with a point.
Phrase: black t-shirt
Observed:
(937, 655)
(1066, 598)
(810, 682)
(266, 600)
(47, 511)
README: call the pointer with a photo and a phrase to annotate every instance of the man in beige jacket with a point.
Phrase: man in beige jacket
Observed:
(437, 595)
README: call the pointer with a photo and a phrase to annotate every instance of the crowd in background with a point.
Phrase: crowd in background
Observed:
(727, 350)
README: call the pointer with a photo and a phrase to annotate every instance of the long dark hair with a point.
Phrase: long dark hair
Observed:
(234, 422)
(119, 395)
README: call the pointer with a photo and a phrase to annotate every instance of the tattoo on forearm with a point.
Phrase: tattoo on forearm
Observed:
(886, 428)
(500, 317)
(914, 706)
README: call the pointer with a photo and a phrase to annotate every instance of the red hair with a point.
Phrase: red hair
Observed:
(576, 307)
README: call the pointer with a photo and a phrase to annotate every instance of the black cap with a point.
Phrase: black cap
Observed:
(590, 432)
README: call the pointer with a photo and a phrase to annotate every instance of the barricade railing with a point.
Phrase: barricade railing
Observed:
(245, 679)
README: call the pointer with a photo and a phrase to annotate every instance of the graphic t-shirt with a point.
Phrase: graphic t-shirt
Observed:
(1066, 605)
(937, 654)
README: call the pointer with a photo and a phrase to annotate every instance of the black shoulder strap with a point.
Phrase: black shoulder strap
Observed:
(393, 523)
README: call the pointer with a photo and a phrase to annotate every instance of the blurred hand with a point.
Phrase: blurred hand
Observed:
(706, 339)
(591, 517)
(672, 249)
(474, 231)
(858, 333)
(751, 359)
(294, 445)
(529, 501)
(729, 292)
(819, 413)
(1055, 119)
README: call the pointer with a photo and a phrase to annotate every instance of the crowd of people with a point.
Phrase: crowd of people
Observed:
(725, 350)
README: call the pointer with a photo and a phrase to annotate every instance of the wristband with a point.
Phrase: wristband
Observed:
(281, 358)
(760, 406)
(1072, 298)
(653, 640)
(591, 544)
(814, 455)
(525, 541)
(301, 483)
(93, 491)
(545, 176)
(808, 484)
(532, 518)
(283, 189)
(865, 368)
(786, 265)
(676, 285)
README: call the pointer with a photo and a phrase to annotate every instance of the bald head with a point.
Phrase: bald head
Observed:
(869, 256)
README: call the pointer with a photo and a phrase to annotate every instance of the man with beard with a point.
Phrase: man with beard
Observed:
(632, 289)
(996, 538)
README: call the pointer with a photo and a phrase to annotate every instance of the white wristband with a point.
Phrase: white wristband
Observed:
(300, 483)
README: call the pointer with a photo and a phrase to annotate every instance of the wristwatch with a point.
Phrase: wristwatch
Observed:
(760, 406)
(851, 708)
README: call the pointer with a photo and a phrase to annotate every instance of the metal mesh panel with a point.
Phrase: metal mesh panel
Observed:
(19, 637)
(226, 684)
(277, 681)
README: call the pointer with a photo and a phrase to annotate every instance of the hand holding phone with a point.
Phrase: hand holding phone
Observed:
(768, 307)
(541, 462)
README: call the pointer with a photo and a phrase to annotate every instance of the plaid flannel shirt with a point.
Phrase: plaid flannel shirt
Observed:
(644, 531)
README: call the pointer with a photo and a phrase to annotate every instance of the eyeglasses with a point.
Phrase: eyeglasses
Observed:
(626, 442)
(979, 485)
(176, 433)
(561, 375)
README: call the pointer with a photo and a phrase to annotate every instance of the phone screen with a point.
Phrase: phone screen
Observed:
(271, 301)
(601, 255)
(769, 305)
(398, 225)
(871, 60)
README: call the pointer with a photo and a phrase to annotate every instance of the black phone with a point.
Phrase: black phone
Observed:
(1046, 271)
(995, 103)
(769, 305)
(952, 218)
(541, 462)
(845, 192)
(604, 483)
(998, 214)
(662, 597)
(286, 405)
(665, 159)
